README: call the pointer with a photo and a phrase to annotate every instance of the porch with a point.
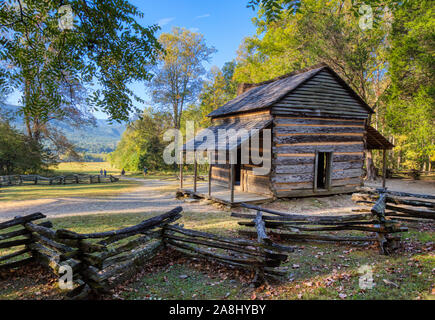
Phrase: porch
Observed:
(223, 195)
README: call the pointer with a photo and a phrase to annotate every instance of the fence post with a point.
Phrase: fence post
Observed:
(263, 239)
(379, 210)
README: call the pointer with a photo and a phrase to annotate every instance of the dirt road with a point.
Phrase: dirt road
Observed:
(158, 196)
(151, 196)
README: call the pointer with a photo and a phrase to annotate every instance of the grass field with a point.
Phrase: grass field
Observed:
(64, 168)
(33, 192)
(315, 271)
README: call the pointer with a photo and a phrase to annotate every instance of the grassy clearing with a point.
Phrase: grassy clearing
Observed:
(34, 192)
(65, 168)
(315, 271)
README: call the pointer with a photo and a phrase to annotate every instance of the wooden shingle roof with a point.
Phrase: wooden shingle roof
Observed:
(265, 94)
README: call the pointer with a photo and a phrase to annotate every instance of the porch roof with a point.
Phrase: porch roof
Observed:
(376, 141)
(241, 131)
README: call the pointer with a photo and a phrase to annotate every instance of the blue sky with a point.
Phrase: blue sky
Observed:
(224, 24)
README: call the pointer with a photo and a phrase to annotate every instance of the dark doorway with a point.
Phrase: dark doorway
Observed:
(323, 170)
(238, 168)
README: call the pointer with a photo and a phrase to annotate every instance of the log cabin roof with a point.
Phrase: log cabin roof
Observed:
(264, 95)
(376, 141)
(209, 138)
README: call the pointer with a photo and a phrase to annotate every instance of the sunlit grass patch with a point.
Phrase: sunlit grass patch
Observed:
(34, 192)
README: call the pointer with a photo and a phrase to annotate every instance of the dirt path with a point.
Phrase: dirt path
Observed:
(406, 185)
(158, 196)
(151, 196)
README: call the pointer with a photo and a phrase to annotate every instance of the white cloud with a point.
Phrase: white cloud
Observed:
(203, 16)
(194, 30)
(165, 21)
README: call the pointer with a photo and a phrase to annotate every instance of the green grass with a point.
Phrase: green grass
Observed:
(315, 271)
(34, 192)
(65, 168)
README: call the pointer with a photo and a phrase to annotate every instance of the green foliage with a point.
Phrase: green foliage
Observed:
(391, 65)
(177, 80)
(106, 47)
(410, 112)
(216, 91)
(322, 31)
(142, 143)
(19, 154)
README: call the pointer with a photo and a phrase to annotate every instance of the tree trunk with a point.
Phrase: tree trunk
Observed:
(371, 170)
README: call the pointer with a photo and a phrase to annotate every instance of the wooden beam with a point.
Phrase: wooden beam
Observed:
(316, 164)
(232, 182)
(210, 167)
(181, 170)
(330, 158)
(384, 169)
(195, 174)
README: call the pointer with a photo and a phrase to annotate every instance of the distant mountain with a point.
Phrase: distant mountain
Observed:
(102, 138)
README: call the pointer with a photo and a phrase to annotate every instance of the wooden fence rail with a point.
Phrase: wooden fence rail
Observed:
(101, 260)
(263, 257)
(401, 206)
(98, 260)
(298, 227)
(19, 180)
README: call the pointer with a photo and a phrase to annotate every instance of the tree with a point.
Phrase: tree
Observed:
(318, 31)
(216, 91)
(19, 154)
(178, 77)
(275, 9)
(142, 143)
(410, 111)
(70, 57)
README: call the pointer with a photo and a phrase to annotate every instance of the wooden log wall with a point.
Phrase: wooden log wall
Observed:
(296, 227)
(18, 180)
(322, 96)
(320, 116)
(296, 141)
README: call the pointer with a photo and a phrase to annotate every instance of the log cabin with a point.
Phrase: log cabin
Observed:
(319, 137)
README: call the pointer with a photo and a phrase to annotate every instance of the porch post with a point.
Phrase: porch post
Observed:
(384, 169)
(209, 179)
(181, 170)
(195, 174)
(232, 177)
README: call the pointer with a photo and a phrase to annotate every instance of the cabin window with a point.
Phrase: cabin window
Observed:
(322, 170)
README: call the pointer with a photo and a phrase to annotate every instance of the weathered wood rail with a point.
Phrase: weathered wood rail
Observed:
(401, 206)
(101, 260)
(262, 256)
(297, 227)
(98, 260)
(19, 180)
